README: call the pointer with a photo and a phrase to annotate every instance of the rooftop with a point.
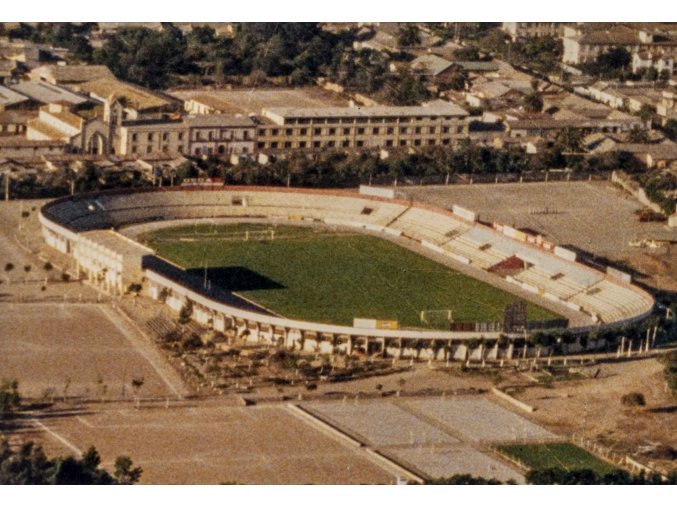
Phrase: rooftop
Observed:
(10, 97)
(72, 73)
(253, 100)
(135, 96)
(430, 64)
(437, 108)
(46, 93)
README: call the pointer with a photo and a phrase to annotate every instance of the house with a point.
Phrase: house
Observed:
(14, 122)
(527, 30)
(9, 99)
(42, 93)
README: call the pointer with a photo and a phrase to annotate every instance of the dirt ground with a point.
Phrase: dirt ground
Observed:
(78, 350)
(206, 443)
(595, 217)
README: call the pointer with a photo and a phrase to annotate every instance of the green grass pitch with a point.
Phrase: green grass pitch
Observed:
(324, 275)
(559, 455)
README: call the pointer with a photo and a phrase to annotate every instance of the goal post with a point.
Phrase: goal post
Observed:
(436, 317)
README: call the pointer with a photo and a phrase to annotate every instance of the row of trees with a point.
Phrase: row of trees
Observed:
(552, 476)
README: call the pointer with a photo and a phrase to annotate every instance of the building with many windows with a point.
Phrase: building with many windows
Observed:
(434, 124)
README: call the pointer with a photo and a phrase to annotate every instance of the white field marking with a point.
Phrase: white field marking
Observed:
(113, 317)
(61, 439)
(84, 421)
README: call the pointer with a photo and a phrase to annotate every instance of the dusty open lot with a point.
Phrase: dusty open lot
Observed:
(209, 444)
(593, 216)
(43, 345)
(592, 408)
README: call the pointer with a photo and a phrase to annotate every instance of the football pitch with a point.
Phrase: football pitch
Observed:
(332, 276)
(556, 455)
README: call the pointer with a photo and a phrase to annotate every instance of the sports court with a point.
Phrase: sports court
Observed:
(79, 350)
(478, 419)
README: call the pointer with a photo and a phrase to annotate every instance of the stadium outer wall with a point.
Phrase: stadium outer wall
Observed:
(66, 223)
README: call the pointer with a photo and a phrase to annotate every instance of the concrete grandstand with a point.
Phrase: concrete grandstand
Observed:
(81, 225)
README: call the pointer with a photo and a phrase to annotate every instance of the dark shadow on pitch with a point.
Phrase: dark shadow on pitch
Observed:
(236, 278)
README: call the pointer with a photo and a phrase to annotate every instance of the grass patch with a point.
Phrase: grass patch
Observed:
(330, 276)
(560, 455)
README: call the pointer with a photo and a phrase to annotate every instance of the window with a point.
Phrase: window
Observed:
(180, 136)
(262, 132)
(360, 144)
(150, 136)
(302, 144)
(403, 130)
(459, 130)
(317, 132)
(375, 130)
(133, 149)
(288, 132)
(165, 136)
(149, 149)
(222, 149)
(346, 132)
(135, 137)
(273, 144)
(345, 144)
(304, 132)
(417, 142)
(180, 148)
(445, 130)
(431, 130)
(445, 142)
(360, 131)
(197, 151)
(389, 142)
(316, 144)
(260, 145)
(403, 143)
(390, 131)
(165, 149)
(275, 132)
(431, 142)
(287, 144)
(245, 135)
(331, 144)
(417, 130)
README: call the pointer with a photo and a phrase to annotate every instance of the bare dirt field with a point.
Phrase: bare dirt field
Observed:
(593, 216)
(210, 444)
(592, 408)
(43, 345)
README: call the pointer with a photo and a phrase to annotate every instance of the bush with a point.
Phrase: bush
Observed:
(65, 277)
(633, 400)
(48, 266)
(9, 267)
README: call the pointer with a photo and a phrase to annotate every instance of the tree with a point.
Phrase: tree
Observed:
(670, 129)
(408, 35)
(10, 399)
(30, 466)
(125, 472)
(638, 135)
(9, 267)
(186, 312)
(569, 139)
(633, 400)
(533, 102)
(467, 54)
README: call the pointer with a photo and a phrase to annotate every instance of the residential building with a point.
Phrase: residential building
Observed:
(526, 30)
(145, 137)
(220, 134)
(14, 122)
(585, 42)
(434, 124)
(20, 147)
(9, 99)
(642, 60)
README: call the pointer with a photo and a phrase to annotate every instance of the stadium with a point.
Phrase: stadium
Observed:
(381, 274)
